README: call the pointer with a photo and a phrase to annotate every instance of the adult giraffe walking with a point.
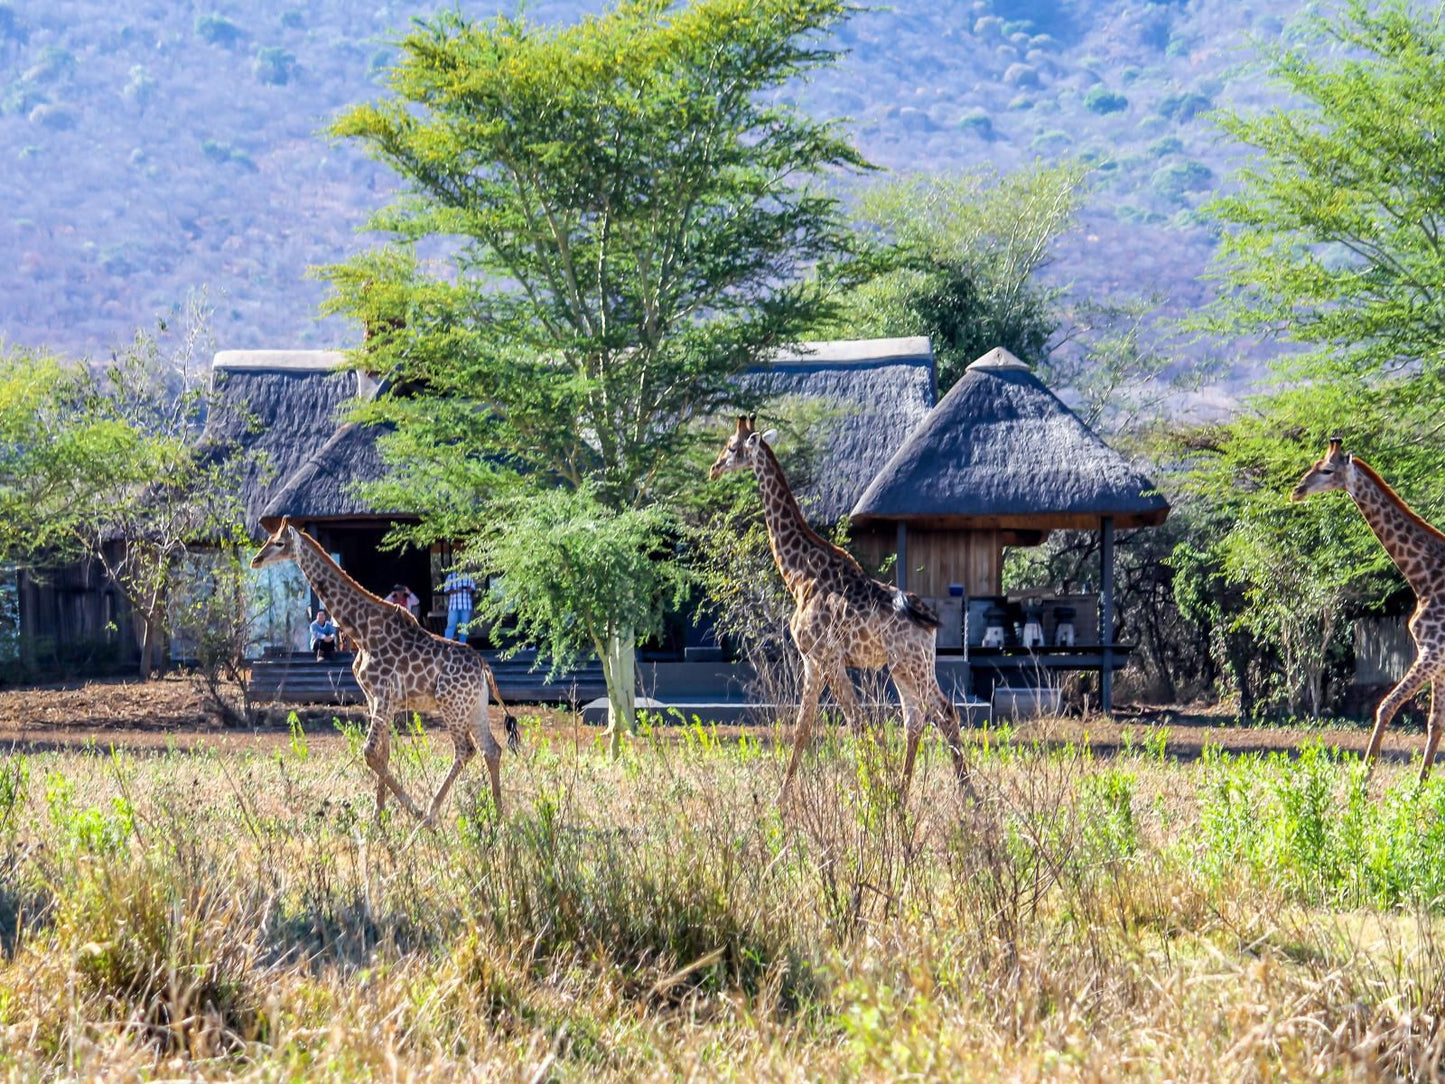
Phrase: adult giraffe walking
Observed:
(399, 665)
(1418, 550)
(843, 616)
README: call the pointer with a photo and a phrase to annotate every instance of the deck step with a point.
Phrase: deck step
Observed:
(298, 678)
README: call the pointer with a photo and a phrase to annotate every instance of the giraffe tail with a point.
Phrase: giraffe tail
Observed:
(514, 732)
(910, 606)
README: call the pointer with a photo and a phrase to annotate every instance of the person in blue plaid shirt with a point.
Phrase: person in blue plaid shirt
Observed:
(459, 589)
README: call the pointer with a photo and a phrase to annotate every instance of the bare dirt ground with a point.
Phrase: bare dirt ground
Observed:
(172, 712)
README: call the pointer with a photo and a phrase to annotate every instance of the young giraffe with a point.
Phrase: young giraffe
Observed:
(1418, 549)
(399, 665)
(843, 617)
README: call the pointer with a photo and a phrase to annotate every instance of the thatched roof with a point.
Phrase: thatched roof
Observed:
(284, 405)
(1001, 450)
(878, 389)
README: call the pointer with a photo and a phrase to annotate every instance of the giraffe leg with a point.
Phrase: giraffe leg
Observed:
(803, 729)
(378, 754)
(1395, 699)
(948, 724)
(1432, 735)
(847, 696)
(464, 748)
(914, 720)
(491, 748)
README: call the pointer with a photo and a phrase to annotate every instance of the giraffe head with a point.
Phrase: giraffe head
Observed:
(742, 447)
(281, 546)
(1329, 472)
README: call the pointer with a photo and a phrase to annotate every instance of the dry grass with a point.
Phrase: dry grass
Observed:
(238, 915)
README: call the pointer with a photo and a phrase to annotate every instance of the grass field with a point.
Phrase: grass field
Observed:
(236, 913)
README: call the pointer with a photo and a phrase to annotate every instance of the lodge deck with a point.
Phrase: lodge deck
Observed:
(680, 692)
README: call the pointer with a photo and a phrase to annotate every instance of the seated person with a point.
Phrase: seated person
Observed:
(323, 636)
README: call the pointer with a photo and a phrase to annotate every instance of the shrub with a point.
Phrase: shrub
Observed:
(1176, 178)
(1053, 140)
(1183, 107)
(1021, 75)
(274, 66)
(57, 118)
(1102, 101)
(218, 30)
(978, 123)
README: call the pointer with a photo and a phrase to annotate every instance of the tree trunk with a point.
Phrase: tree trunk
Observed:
(619, 667)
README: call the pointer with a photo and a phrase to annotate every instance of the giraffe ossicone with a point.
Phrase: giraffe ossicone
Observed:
(843, 617)
(1418, 550)
(400, 666)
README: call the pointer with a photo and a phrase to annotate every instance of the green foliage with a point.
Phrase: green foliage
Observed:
(576, 571)
(64, 452)
(1334, 238)
(1332, 246)
(1177, 178)
(978, 122)
(218, 30)
(1102, 101)
(274, 66)
(1308, 826)
(1183, 107)
(960, 259)
(635, 211)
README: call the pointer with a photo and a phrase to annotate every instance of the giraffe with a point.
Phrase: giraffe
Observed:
(843, 617)
(1418, 550)
(399, 665)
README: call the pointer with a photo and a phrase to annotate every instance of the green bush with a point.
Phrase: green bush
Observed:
(218, 30)
(1173, 180)
(1101, 101)
(274, 66)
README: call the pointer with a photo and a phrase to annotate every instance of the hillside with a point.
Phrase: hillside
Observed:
(148, 147)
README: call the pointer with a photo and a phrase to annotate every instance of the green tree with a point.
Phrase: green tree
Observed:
(633, 210)
(1332, 246)
(63, 454)
(958, 260)
(1335, 238)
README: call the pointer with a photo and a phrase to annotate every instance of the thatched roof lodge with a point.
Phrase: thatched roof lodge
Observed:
(284, 407)
(1002, 461)
(1003, 452)
(945, 485)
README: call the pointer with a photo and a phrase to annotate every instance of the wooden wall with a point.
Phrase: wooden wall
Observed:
(939, 558)
(74, 612)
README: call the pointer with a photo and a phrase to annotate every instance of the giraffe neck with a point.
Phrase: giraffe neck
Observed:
(1417, 548)
(348, 603)
(797, 548)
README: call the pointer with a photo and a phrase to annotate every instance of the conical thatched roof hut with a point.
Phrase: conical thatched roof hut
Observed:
(1001, 450)
(1001, 461)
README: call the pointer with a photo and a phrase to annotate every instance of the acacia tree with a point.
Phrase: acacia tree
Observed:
(632, 210)
(957, 257)
(1332, 246)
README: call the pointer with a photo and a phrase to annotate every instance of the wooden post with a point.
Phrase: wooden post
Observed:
(900, 566)
(1106, 612)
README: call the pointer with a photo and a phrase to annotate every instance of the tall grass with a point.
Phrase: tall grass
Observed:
(237, 915)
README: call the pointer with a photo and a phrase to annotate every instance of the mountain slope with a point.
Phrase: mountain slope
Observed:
(147, 147)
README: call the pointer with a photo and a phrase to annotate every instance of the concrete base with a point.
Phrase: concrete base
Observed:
(746, 713)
